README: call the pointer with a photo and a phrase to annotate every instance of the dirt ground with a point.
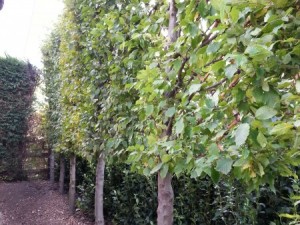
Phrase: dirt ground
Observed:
(35, 203)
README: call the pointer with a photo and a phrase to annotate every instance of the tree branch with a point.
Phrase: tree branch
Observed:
(215, 85)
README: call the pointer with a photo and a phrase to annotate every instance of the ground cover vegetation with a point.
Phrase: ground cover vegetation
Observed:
(192, 104)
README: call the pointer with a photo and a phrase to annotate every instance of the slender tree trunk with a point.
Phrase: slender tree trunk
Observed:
(62, 169)
(165, 189)
(72, 185)
(99, 216)
(165, 200)
(52, 163)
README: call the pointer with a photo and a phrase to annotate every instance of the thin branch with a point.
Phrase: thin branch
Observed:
(214, 25)
(214, 61)
(207, 41)
(215, 85)
(236, 120)
(170, 126)
(180, 77)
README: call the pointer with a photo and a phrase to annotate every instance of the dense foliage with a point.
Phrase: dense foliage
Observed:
(215, 96)
(197, 201)
(17, 84)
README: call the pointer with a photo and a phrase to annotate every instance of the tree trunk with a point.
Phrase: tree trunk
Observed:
(72, 185)
(165, 200)
(165, 189)
(1, 4)
(52, 163)
(62, 169)
(99, 216)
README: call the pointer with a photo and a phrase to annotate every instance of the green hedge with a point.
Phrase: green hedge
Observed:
(131, 199)
(18, 80)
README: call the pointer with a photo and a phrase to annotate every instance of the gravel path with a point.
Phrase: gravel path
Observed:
(35, 203)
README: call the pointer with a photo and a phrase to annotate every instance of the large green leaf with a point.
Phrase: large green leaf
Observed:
(258, 52)
(170, 112)
(213, 47)
(149, 110)
(241, 134)
(224, 165)
(194, 88)
(215, 175)
(265, 112)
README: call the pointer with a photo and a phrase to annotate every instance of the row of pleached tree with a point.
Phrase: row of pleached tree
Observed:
(193, 87)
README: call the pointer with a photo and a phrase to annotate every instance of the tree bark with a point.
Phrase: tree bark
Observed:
(99, 216)
(62, 169)
(72, 185)
(165, 189)
(52, 163)
(165, 200)
(1, 4)
(172, 33)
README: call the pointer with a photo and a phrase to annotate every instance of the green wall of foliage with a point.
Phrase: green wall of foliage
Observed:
(221, 102)
(17, 83)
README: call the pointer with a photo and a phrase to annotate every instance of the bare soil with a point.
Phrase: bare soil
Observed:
(35, 203)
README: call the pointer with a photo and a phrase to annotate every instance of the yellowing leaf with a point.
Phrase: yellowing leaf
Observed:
(281, 129)
(166, 158)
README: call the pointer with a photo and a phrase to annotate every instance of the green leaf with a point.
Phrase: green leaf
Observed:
(289, 216)
(149, 110)
(286, 59)
(193, 29)
(230, 70)
(261, 139)
(170, 112)
(179, 168)
(213, 47)
(224, 165)
(164, 171)
(215, 175)
(146, 171)
(179, 126)
(194, 88)
(281, 129)
(298, 86)
(156, 168)
(265, 112)
(235, 15)
(241, 134)
(258, 52)
(281, 3)
(166, 158)
(297, 123)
